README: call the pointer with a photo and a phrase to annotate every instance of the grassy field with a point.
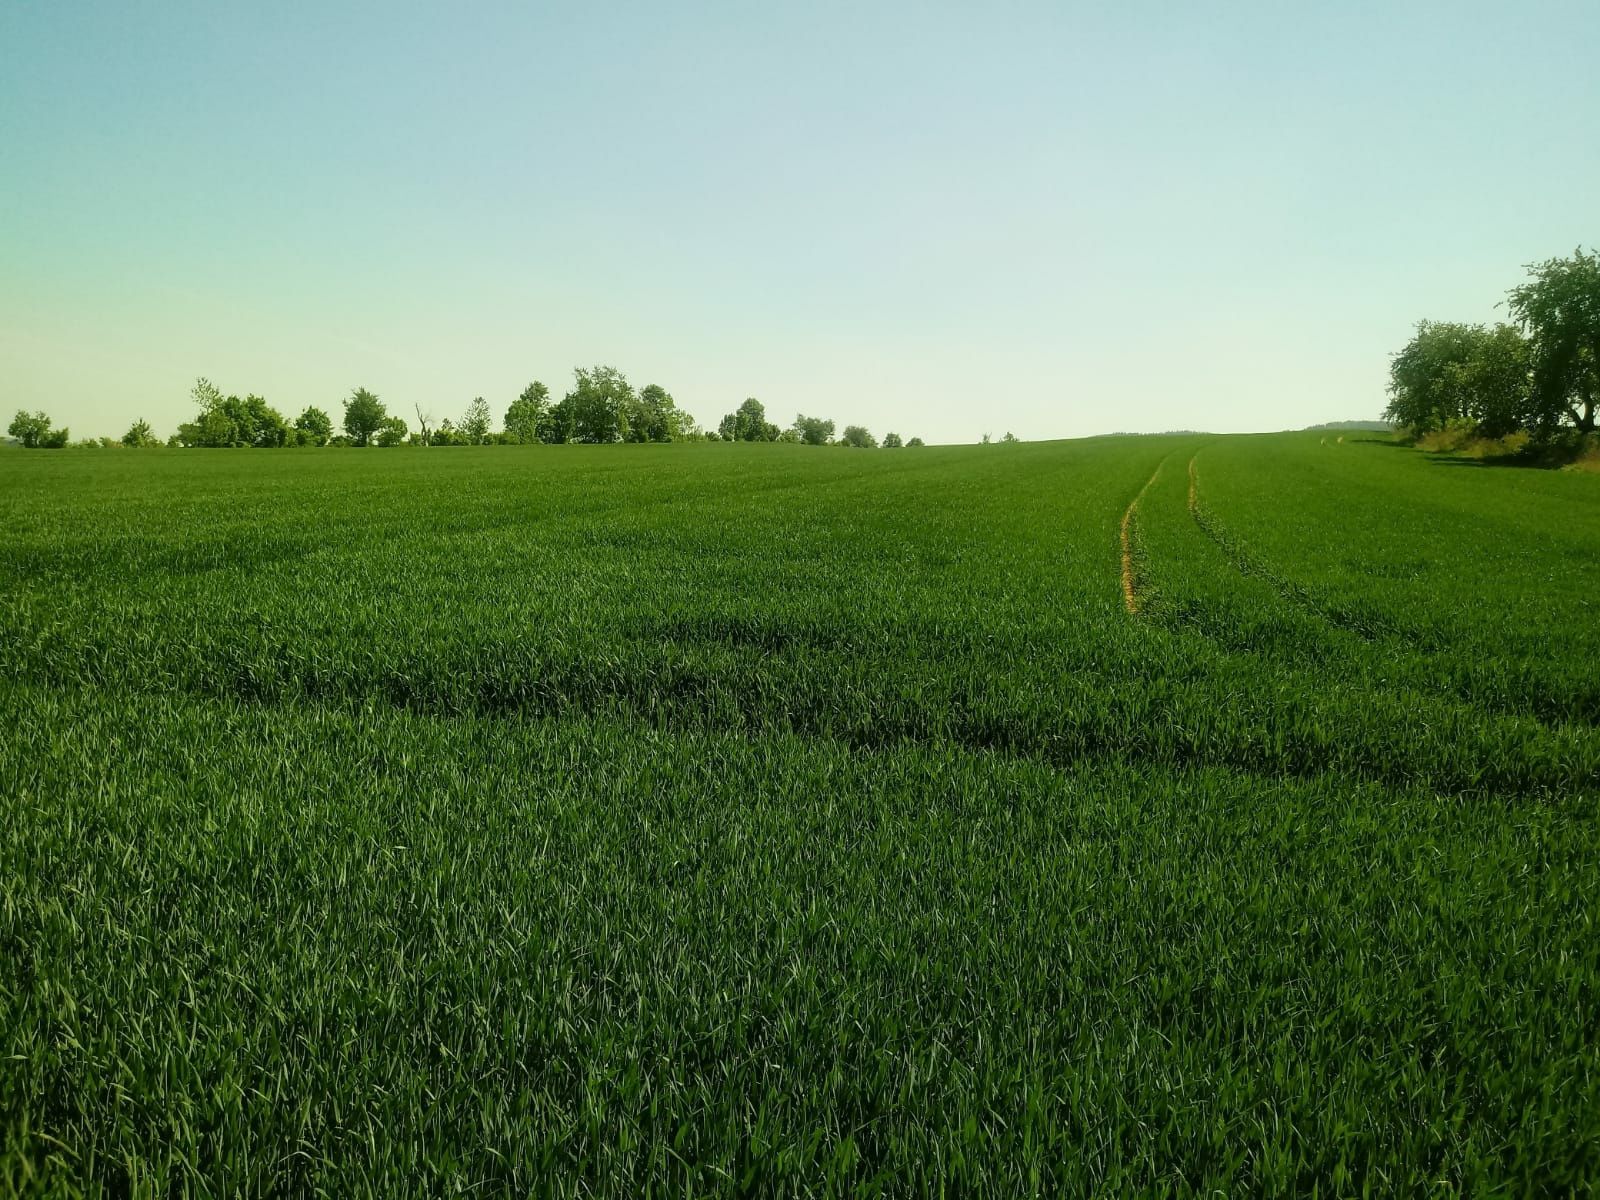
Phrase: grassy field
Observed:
(672, 820)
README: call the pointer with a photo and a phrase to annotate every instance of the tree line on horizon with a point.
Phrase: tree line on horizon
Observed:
(1537, 375)
(602, 407)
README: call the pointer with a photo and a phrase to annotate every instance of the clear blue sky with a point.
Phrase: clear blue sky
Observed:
(1057, 219)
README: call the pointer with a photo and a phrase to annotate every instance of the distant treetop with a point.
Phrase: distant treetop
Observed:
(601, 407)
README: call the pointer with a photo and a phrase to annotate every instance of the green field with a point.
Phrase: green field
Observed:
(700, 819)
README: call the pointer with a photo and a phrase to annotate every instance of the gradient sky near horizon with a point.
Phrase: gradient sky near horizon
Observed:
(1056, 219)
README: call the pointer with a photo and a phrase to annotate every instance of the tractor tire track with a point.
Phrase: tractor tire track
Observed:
(1130, 582)
(1294, 593)
(1376, 634)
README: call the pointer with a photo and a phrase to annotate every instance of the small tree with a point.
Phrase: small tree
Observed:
(1009, 439)
(916, 441)
(857, 435)
(206, 394)
(424, 423)
(527, 411)
(891, 441)
(392, 432)
(215, 424)
(476, 423)
(364, 415)
(140, 435)
(315, 426)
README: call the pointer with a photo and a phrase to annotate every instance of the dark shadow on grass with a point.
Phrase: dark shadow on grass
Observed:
(1562, 450)
(1527, 460)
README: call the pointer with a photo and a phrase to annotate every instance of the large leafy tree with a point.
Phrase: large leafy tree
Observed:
(364, 415)
(34, 432)
(556, 425)
(752, 421)
(1425, 379)
(654, 416)
(524, 414)
(598, 405)
(1559, 307)
(748, 423)
(28, 427)
(1494, 382)
(813, 431)
(259, 423)
(1451, 372)
(314, 426)
(857, 435)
